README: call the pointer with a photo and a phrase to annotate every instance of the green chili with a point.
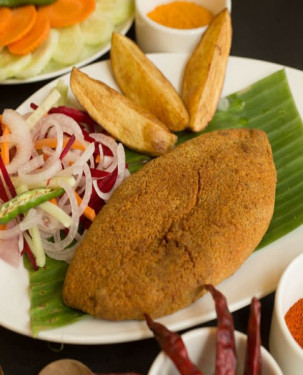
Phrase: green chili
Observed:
(16, 3)
(25, 201)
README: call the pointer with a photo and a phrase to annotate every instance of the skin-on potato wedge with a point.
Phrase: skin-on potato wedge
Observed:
(141, 81)
(205, 72)
(124, 120)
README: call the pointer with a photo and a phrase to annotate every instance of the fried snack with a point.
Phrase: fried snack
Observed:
(124, 120)
(205, 72)
(188, 218)
(141, 81)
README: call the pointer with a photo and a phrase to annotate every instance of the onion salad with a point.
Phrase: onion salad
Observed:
(62, 152)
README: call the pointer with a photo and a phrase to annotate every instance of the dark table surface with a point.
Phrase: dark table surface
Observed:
(270, 30)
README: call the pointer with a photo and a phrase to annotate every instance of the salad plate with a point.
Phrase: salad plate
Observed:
(91, 56)
(258, 276)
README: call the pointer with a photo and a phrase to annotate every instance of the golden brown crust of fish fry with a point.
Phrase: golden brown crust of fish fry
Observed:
(189, 217)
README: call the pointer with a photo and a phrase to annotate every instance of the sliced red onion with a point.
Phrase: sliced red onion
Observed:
(66, 254)
(48, 225)
(6, 234)
(35, 163)
(32, 219)
(93, 181)
(120, 163)
(105, 140)
(61, 245)
(80, 162)
(10, 248)
(78, 115)
(121, 166)
(19, 129)
(50, 169)
(87, 191)
(66, 124)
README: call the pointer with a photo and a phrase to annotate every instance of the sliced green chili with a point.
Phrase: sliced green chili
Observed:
(25, 201)
(16, 3)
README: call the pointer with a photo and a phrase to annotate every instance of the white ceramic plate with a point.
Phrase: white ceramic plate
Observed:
(257, 277)
(123, 29)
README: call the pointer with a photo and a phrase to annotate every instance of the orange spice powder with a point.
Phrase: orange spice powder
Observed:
(294, 321)
(181, 15)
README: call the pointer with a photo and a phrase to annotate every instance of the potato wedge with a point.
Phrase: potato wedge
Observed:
(119, 116)
(141, 81)
(205, 72)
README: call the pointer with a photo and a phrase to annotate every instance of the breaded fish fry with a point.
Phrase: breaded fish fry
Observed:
(189, 217)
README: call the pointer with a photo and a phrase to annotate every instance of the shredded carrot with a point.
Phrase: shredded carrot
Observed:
(52, 143)
(2, 226)
(54, 201)
(64, 13)
(20, 22)
(5, 15)
(98, 158)
(34, 38)
(89, 212)
(5, 145)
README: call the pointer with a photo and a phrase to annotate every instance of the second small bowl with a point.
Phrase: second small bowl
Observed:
(153, 37)
(282, 345)
(201, 347)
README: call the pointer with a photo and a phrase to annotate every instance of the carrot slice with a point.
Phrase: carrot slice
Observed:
(5, 16)
(89, 212)
(20, 22)
(5, 145)
(54, 201)
(52, 143)
(34, 38)
(63, 13)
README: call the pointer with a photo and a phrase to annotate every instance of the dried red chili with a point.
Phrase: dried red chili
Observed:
(172, 344)
(253, 362)
(226, 358)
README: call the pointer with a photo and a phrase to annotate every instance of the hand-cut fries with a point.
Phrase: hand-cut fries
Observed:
(205, 71)
(141, 81)
(124, 120)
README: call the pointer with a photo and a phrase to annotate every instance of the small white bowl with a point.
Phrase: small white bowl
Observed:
(282, 345)
(153, 37)
(201, 347)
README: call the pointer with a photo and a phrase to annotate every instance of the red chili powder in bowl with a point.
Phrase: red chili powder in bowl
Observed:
(294, 321)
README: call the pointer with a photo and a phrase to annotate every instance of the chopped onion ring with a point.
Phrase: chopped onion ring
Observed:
(102, 162)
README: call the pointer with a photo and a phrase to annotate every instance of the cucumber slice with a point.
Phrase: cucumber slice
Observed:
(10, 64)
(40, 57)
(97, 28)
(117, 10)
(70, 45)
(90, 50)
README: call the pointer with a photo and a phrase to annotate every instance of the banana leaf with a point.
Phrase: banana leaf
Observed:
(268, 105)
